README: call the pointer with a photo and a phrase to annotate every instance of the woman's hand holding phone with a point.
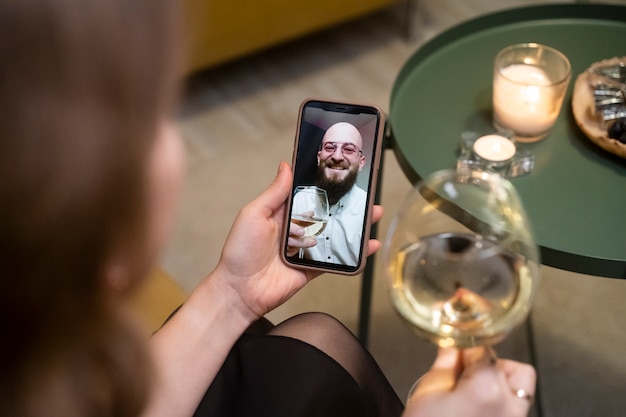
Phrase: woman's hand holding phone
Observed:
(251, 267)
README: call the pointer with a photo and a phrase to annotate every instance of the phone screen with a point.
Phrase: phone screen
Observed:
(335, 165)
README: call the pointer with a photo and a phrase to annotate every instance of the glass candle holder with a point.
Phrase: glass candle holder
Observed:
(494, 148)
(494, 152)
(529, 84)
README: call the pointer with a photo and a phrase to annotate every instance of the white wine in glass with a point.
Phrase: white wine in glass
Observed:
(312, 225)
(310, 210)
(461, 259)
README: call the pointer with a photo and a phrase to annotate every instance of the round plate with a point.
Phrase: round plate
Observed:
(585, 115)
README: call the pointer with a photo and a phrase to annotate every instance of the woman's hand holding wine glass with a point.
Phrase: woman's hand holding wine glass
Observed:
(473, 383)
(463, 268)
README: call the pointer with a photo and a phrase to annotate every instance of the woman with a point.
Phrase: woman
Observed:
(90, 165)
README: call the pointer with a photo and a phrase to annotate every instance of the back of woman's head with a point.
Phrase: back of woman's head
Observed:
(83, 87)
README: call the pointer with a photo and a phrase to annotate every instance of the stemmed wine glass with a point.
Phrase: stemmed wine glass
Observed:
(310, 210)
(461, 260)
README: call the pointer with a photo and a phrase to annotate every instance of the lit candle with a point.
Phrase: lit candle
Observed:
(494, 148)
(524, 100)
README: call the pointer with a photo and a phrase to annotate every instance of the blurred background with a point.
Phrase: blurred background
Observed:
(238, 120)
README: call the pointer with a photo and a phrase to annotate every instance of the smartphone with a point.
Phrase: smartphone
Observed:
(335, 165)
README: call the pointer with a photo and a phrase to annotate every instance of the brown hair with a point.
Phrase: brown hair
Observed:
(83, 86)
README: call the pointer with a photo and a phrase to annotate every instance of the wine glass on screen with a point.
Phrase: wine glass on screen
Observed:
(310, 210)
(461, 260)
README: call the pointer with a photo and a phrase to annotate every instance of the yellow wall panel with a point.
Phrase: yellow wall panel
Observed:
(220, 30)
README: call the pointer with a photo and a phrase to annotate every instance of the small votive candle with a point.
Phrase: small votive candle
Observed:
(529, 84)
(494, 148)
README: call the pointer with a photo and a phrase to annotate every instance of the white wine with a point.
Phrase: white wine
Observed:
(313, 226)
(459, 289)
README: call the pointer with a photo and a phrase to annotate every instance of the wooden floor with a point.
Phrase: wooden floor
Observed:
(238, 122)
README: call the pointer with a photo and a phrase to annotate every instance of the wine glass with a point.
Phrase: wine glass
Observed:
(310, 210)
(461, 260)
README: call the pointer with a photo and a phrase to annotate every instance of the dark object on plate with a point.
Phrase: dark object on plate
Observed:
(618, 130)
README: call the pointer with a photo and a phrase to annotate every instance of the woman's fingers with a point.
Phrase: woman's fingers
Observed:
(442, 375)
(521, 377)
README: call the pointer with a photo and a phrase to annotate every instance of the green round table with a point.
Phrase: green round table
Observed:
(576, 194)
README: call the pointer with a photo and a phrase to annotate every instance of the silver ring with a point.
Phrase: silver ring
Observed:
(522, 394)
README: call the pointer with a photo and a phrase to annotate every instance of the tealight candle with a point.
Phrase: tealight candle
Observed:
(494, 148)
(529, 84)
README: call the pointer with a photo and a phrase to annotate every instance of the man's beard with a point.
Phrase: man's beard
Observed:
(335, 188)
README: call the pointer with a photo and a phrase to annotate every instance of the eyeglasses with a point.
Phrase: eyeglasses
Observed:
(347, 149)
